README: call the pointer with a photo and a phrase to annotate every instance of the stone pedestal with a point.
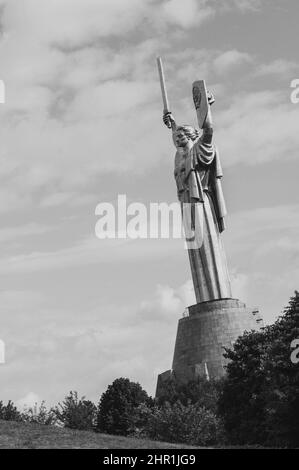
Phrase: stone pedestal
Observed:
(203, 333)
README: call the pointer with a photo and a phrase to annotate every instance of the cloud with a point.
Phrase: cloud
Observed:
(80, 106)
(135, 341)
(187, 13)
(270, 235)
(168, 302)
(242, 5)
(279, 67)
(257, 127)
(11, 233)
(265, 229)
(114, 97)
(72, 22)
(239, 285)
(70, 116)
(230, 59)
(28, 401)
(89, 251)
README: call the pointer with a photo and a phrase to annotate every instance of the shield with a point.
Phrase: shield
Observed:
(200, 99)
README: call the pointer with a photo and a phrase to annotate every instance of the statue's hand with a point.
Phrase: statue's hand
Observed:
(168, 119)
(210, 97)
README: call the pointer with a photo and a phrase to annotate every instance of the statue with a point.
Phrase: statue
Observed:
(198, 173)
(216, 320)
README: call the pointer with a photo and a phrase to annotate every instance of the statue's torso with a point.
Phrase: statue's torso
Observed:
(184, 164)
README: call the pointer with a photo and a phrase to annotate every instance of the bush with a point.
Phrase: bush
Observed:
(9, 412)
(39, 414)
(190, 424)
(118, 407)
(200, 390)
(75, 413)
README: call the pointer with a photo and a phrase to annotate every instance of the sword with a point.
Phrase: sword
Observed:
(163, 88)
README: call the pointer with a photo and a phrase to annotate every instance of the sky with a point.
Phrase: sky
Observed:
(81, 124)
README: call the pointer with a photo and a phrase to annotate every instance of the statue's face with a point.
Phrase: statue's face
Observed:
(180, 138)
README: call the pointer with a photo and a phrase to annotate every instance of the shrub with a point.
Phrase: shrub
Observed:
(75, 413)
(190, 424)
(39, 414)
(118, 407)
(9, 412)
(200, 390)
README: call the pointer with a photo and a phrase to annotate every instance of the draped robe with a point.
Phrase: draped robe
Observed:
(198, 176)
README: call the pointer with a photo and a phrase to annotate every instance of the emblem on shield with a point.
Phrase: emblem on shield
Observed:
(200, 99)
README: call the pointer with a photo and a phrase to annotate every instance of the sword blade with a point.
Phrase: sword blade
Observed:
(162, 83)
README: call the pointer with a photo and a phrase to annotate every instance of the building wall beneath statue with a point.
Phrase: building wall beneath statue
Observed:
(204, 333)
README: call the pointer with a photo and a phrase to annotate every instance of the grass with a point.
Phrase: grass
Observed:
(36, 436)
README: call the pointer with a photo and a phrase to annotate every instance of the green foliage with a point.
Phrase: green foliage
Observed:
(259, 402)
(39, 414)
(75, 413)
(9, 412)
(118, 405)
(190, 424)
(200, 390)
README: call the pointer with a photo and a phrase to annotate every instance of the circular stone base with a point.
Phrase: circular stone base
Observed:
(204, 333)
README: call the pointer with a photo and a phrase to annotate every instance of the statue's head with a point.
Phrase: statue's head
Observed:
(184, 136)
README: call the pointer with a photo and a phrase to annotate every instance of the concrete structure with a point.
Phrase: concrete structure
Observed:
(202, 335)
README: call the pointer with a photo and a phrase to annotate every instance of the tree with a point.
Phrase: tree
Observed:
(9, 412)
(76, 413)
(242, 401)
(200, 390)
(259, 401)
(118, 406)
(39, 414)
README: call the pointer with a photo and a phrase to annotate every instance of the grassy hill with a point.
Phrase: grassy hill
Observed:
(35, 436)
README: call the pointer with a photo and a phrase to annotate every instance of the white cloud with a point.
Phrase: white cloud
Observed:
(279, 67)
(187, 13)
(239, 284)
(242, 5)
(135, 341)
(28, 401)
(257, 127)
(89, 251)
(227, 60)
(11, 233)
(259, 229)
(72, 22)
(77, 111)
(165, 303)
(263, 253)
(112, 98)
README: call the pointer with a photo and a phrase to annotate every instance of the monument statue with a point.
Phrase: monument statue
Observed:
(217, 319)
(198, 176)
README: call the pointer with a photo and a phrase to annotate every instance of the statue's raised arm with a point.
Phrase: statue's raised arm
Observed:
(203, 100)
